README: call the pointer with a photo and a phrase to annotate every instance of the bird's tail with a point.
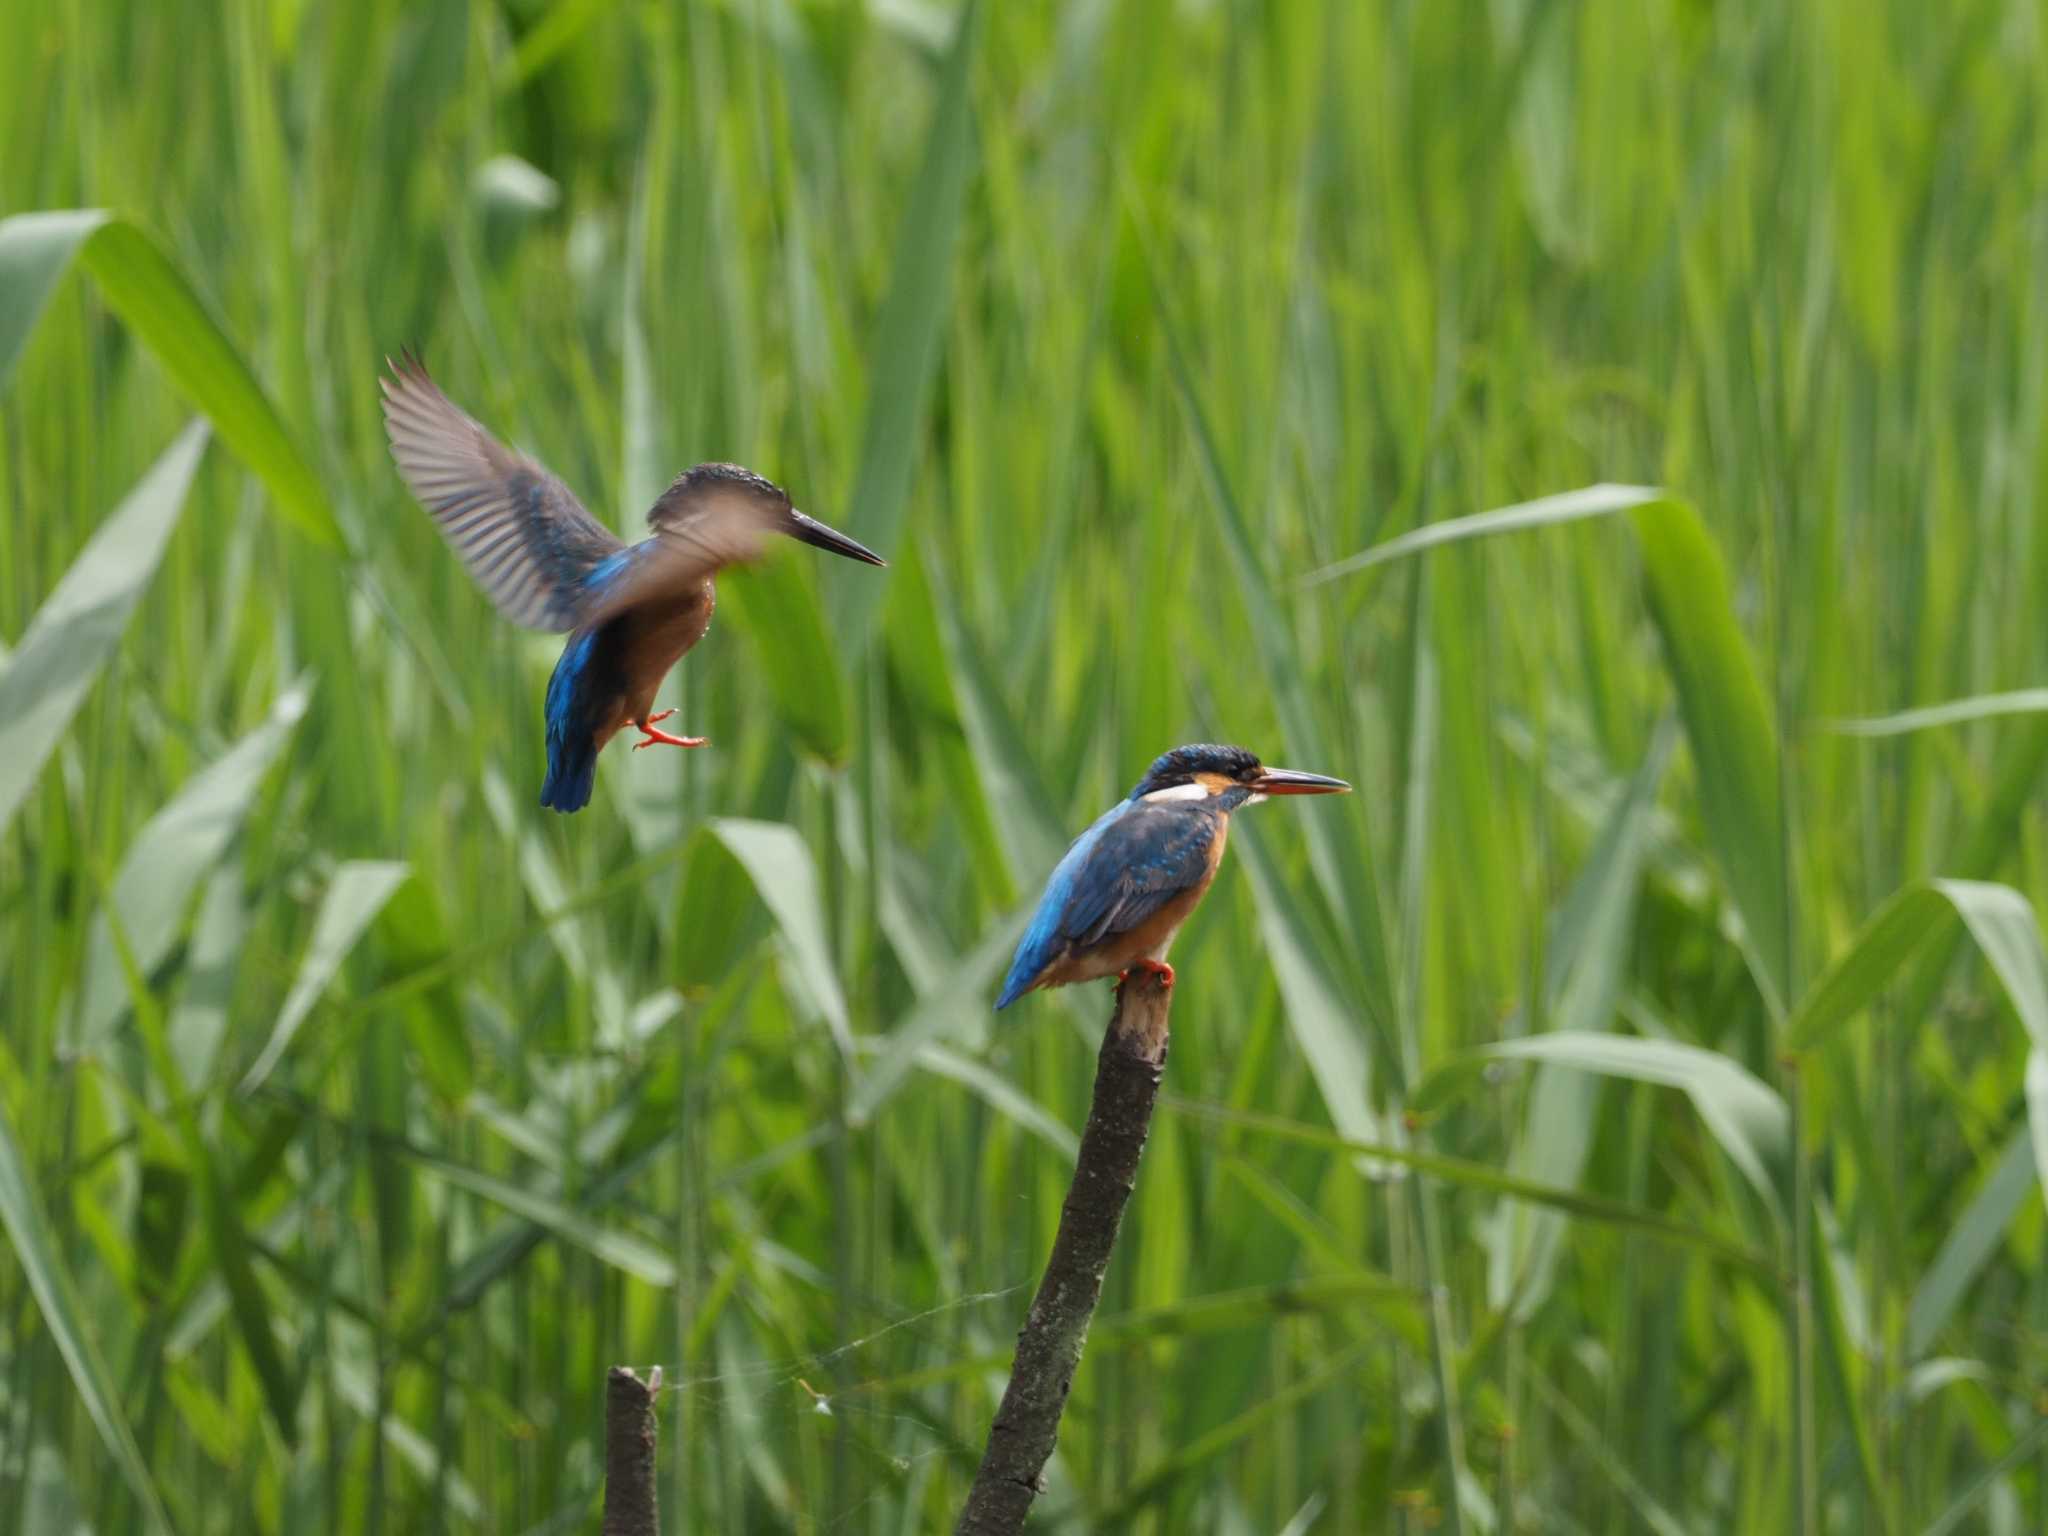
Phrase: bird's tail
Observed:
(572, 744)
(572, 769)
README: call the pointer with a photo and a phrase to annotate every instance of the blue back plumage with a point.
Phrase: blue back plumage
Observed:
(572, 741)
(1043, 940)
(1137, 857)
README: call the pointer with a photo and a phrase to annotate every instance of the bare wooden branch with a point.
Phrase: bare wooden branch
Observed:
(629, 1438)
(1021, 1439)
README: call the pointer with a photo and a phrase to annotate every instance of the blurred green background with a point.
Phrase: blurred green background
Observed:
(356, 1114)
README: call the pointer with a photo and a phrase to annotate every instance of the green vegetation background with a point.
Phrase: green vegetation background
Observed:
(355, 1114)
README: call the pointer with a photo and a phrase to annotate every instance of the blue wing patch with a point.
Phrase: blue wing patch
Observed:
(1130, 863)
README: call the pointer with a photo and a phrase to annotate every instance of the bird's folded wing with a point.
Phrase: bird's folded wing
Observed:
(524, 536)
(1142, 860)
(727, 529)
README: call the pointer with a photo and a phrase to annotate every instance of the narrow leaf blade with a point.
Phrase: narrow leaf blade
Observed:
(79, 624)
(152, 297)
(35, 1247)
(35, 251)
(358, 894)
(1728, 726)
(1543, 512)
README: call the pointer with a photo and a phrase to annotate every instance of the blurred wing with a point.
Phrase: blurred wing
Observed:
(525, 538)
(1143, 860)
(722, 528)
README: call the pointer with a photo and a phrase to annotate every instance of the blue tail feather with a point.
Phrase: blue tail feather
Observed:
(572, 743)
(572, 772)
(1043, 940)
(1014, 987)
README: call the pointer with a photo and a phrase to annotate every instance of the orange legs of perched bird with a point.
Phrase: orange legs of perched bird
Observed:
(650, 736)
(1158, 968)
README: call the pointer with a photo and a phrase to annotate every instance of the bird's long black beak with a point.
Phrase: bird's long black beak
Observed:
(811, 531)
(1289, 781)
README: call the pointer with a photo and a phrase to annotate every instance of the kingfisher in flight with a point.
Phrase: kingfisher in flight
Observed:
(1115, 902)
(630, 610)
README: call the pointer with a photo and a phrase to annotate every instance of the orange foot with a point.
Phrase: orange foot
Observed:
(649, 735)
(1158, 968)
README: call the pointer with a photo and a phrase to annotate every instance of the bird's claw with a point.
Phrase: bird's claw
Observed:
(649, 735)
(1158, 968)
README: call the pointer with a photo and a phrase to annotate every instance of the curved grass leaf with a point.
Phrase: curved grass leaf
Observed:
(45, 679)
(414, 935)
(1003, 1096)
(962, 990)
(1543, 512)
(227, 1240)
(1584, 969)
(1322, 1026)
(621, 1250)
(199, 1017)
(582, 945)
(1746, 1116)
(1720, 697)
(1970, 1242)
(1728, 726)
(1961, 1507)
(1338, 854)
(1654, 1516)
(779, 863)
(49, 1281)
(358, 893)
(1983, 706)
(1487, 1177)
(1997, 917)
(175, 850)
(354, 1386)
(35, 250)
(1931, 1376)
(2002, 922)
(142, 286)
(1856, 976)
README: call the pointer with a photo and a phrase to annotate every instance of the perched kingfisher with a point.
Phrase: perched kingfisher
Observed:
(631, 611)
(1117, 899)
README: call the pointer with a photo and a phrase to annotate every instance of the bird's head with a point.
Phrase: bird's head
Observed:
(1205, 771)
(700, 489)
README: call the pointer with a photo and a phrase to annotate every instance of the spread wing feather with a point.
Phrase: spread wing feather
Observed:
(525, 537)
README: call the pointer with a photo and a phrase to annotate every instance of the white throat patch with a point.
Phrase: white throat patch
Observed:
(1196, 791)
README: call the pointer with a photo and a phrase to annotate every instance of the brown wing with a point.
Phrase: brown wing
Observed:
(524, 536)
